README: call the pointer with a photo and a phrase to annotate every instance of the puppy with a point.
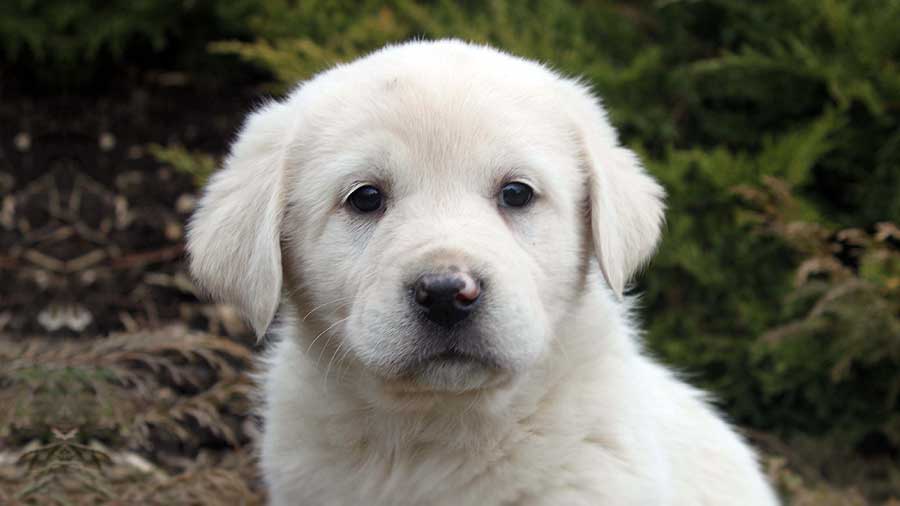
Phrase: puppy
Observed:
(448, 230)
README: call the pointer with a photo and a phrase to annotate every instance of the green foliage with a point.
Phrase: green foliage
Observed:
(296, 40)
(63, 40)
(799, 91)
(831, 368)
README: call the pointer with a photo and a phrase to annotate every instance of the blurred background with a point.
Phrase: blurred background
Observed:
(773, 125)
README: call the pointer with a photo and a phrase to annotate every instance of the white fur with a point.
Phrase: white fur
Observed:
(571, 411)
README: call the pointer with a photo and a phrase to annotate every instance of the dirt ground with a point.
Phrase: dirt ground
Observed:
(92, 225)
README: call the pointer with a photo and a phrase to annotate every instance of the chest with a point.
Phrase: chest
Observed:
(528, 469)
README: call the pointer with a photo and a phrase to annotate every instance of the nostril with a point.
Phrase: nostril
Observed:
(422, 296)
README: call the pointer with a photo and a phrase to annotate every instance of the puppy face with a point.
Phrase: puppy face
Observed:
(410, 197)
(427, 207)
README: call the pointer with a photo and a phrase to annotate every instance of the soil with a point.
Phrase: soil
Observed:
(91, 225)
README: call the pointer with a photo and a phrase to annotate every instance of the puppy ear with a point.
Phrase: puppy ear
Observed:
(233, 239)
(626, 203)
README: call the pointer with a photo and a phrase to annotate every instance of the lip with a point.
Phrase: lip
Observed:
(455, 356)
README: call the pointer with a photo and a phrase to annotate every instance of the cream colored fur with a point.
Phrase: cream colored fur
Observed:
(569, 410)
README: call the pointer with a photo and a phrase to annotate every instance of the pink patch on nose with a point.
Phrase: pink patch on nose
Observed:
(470, 290)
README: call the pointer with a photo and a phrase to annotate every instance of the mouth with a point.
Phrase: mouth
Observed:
(448, 372)
(450, 358)
(454, 357)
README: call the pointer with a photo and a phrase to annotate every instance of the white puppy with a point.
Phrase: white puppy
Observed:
(448, 230)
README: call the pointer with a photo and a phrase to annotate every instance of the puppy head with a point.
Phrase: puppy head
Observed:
(424, 208)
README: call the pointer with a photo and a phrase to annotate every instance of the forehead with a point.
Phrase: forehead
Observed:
(436, 117)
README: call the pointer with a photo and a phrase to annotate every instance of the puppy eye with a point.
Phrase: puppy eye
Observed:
(516, 195)
(366, 199)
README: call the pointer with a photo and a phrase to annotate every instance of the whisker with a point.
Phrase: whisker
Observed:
(324, 331)
(342, 361)
(328, 369)
(320, 306)
(322, 351)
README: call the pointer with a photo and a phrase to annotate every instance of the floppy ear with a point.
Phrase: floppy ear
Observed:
(626, 203)
(233, 238)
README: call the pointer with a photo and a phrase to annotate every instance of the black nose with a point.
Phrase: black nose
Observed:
(447, 297)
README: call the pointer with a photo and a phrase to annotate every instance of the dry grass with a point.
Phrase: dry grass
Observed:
(66, 475)
(800, 491)
(148, 418)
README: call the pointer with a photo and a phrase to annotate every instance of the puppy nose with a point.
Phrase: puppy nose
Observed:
(447, 297)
